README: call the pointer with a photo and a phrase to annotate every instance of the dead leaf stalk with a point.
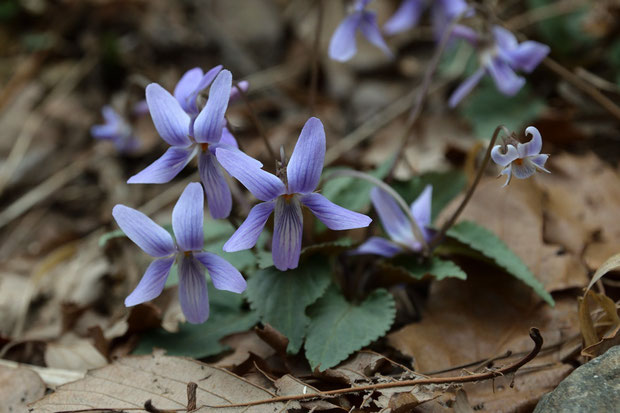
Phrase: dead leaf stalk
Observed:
(314, 60)
(257, 124)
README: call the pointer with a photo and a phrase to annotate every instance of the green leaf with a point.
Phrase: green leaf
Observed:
(338, 327)
(281, 297)
(436, 267)
(203, 340)
(487, 243)
(487, 108)
(446, 186)
(564, 33)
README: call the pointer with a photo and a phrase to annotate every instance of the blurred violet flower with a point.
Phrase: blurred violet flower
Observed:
(117, 130)
(521, 159)
(397, 225)
(500, 59)
(286, 196)
(187, 224)
(342, 46)
(408, 15)
(190, 135)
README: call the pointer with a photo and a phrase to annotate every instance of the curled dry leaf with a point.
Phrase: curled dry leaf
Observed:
(129, 382)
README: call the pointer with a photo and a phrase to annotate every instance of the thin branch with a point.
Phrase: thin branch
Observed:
(314, 60)
(385, 187)
(448, 224)
(256, 122)
(423, 92)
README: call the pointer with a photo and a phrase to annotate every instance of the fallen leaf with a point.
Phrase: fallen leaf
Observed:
(18, 387)
(73, 353)
(129, 382)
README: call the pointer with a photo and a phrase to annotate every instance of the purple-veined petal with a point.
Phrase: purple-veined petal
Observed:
(235, 94)
(452, 8)
(165, 168)
(539, 161)
(210, 122)
(460, 31)
(171, 121)
(206, 80)
(219, 198)
(504, 158)
(378, 246)
(370, 30)
(334, 216)
(287, 231)
(342, 46)
(405, 18)
(506, 80)
(186, 86)
(306, 164)
(260, 183)
(466, 87)
(508, 172)
(421, 209)
(152, 282)
(143, 231)
(187, 218)
(504, 38)
(223, 274)
(110, 116)
(229, 139)
(523, 169)
(247, 234)
(394, 220)
(532, 147)
(527, 55)
(193, 290)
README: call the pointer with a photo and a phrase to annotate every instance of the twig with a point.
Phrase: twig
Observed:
(446, 226)
(423, 92)
(534, 335)
(191, 396)
(584, 86)
(385, 187)
(511, 368)
(545, 12)
(256, 122)
(314, 60)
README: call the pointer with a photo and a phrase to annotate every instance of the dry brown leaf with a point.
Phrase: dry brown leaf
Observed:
(611, 264)
(73, 353)
(515, 215)
(490, 313)
(131, 381)
(18, 387)
(357, 368)
(612, 338)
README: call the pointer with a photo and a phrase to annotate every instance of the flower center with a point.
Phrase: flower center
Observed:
(288, 197)
(518, 161)
(204, 146)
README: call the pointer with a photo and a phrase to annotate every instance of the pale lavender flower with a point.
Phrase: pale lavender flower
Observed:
(286, 197)
(522, 160)
(500, 59)
(187, 224)
(342, 46)
(191, 135)
(397, 224)
(117, 130)
(408, 15)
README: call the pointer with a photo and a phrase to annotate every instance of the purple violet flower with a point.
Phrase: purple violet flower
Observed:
(342, 46)
(189, 136)
(408, 15)
(187, 224)
(397, 225)
(286, 197)
(521, 159)
(117, 130)
(500, 59)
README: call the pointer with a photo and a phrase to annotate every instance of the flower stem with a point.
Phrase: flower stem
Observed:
(448, 224)
(256, 122)
(401, 202)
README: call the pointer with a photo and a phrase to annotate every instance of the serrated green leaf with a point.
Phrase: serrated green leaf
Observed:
(281, 297)
(338, 327)
(446, 186)
(487, 108)
(203, 340)
(436, 267)
(487, 243)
